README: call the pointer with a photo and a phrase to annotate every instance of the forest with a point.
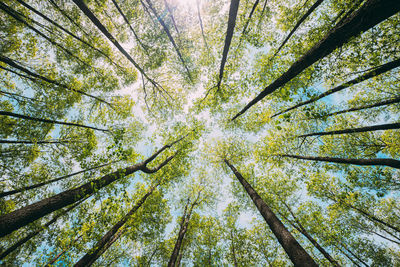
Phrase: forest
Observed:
(200, 133)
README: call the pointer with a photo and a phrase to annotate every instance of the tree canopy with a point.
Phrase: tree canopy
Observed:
(199, 133)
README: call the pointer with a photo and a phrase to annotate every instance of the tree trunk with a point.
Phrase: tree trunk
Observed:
(363, 162)
(293, 249)
(233, 10)
(28, 142)
(13, 64)
(82, 6)
(23, 216)
(366, 17)
(22, 189)
(302, 19)
(171, 39)
(171, 15)
(373, 73)
(68, 32)
(25, 117)
(111, 236)
(302, 230)
(201, 25)
(389, 126)
(36, 232)
(378, 104)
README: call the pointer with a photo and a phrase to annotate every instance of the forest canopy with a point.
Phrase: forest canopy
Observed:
(199, 133)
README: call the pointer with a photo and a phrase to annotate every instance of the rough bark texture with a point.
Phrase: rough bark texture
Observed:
(363, 162)
(373, 73)
(15, 191)
(366, 17)
(302, 19)
(293, 249)
(233, 10)
(389, 126)
(25, 117)
(111, 236)
(23, 216)
(35, 233)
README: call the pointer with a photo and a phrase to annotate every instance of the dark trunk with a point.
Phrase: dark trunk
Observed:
(23, 216)
(82, 6)
(145, 48)
(262, 13)
(25, 117)
(12, 192)
(378, 104)
(111, 236)
(233, 251)
(293, 249)
(171, 39)
(35, 233)
(363, 162)
(350, 258)
(171, 15)
(247, 23)
(373, 73)
(302, 230)
(352, 253)
(53, 260)
(27, 142)
(302, 19)
(67, 31)
(13, 64)
(233, 10)
(201, 25)
(389, 126)
(366, 17)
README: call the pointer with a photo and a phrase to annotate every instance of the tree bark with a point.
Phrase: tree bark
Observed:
(82, 6)
(366, 17)
(13, 64)
(23, 216)
(363, 162)
(378, 104)
(28, 237)
(389, 126)
(25, 117)
(302, 230)
(171, 39)
(302, 19)
(201, 25)
(233, 10)
(68, 32)
(373, 73)
(22, 189)
(111, 236)
(293, 249)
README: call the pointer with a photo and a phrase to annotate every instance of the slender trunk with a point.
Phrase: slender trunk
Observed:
(145, 48)
(111, 236)
(25, 117)
(82, 6)
(233, 10)
(28, 237)
(293, 249)
(353, 254)
(389, 126)
(302, 19)
(378, 104)
(23, 216)
(363, 162)
(201, 26)
(302, 230)
(68, 32)
(350, 258)
(171, 39)
(13, 64)
(179, 241)
(22, 189)
(18, 17)
(247, 23)
(28, 142)
(366, 17)
(171, 15)
(262, 13)
(233, 251)
(373, 73)
(53, 260)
